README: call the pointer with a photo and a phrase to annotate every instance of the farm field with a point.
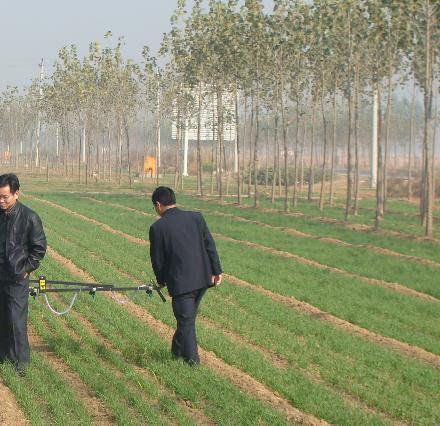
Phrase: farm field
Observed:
(316, 322)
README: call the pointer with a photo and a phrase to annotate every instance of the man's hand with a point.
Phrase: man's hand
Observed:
(217, 279)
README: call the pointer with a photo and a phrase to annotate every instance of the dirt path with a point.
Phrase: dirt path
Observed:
(100, 414)
(243, 381)
(392, 286)
(10, 412)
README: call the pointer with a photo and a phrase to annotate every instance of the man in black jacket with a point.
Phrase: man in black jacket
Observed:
(22, 246)
(185, 259)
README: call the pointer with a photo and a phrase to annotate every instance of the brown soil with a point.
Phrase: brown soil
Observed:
(10, 412)
(245, 382)
(99, 412)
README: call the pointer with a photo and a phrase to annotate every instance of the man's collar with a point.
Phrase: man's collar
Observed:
(11, 209)
(170, 210)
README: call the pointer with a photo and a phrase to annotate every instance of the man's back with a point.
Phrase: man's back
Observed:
(183, 252)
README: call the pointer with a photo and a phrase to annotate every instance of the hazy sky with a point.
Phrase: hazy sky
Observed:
(35, 29)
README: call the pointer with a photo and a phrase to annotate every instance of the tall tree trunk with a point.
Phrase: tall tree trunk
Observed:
(379, 185)
(237, 141)
(81, 142)
(411, 140)
(349, 174)
(266, 174)
(158, 147)
(286, 172)
(387, 137)
(295, 173)
(119, 151)
(213, 151)
(312, 154)
(127, 136)
(199, 149)
(276, 155)
(251, 142)
(301, 160)
(178, 133)
(332, 166)
(243, 162)
(356, 141)
(429, 121)
(257, 135)
(323, 171)
(220, 136)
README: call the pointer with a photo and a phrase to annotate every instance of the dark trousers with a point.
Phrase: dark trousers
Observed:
(14, 343)
(184, 344)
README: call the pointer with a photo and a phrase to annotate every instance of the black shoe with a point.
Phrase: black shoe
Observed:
(21, 371)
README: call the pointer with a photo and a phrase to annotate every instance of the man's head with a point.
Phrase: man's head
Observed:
(163, 198)
(9, 190)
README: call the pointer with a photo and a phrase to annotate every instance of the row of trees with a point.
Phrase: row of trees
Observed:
(305, 71)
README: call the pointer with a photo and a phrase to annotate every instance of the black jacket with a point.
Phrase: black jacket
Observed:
(25, 240)
(183, 252)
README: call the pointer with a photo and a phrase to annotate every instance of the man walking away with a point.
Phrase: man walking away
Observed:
(185, 259)
(22, 246)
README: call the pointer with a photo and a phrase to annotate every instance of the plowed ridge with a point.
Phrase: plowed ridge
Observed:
(100, 414)
(10, 412)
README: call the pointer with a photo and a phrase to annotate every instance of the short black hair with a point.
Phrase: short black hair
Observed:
(11, 180)
(164, 195)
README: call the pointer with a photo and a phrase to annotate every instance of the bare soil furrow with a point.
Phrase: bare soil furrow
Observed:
(10, 412)
(313, 376)
(243, 381)
(100, 414)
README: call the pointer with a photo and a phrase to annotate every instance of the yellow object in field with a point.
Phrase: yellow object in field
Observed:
(150, 166)
(42, 283)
